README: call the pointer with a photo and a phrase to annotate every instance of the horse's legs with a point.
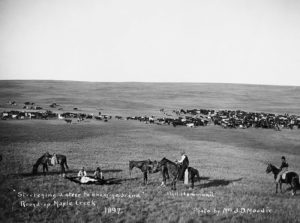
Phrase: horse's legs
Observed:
(192, 182)
(174, 184)
(280, 186)
(45, 168)
(62, 168)
(145, 178)
(67, 167)
(163, 173)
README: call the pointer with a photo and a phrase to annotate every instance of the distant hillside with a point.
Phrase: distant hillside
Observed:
(150, 97)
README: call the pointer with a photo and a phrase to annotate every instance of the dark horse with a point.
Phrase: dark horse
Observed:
(144, 166)
(291, 178)
(168, 167)
(45, 160)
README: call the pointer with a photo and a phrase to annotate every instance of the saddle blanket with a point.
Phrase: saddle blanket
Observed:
(186, 176)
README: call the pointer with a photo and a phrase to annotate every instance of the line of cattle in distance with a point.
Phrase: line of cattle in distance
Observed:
(189, 118)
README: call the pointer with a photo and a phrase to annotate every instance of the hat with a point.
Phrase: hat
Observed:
(98, 169)
(283, 157)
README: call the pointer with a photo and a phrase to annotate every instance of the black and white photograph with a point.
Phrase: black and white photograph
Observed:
(134, 111)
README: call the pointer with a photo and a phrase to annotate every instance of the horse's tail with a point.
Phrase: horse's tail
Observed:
(34, 169)
(295, 182)
(198, 175)
(130, 168)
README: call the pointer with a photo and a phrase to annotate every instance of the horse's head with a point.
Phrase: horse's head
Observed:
(163, 160)
(269, 168)
(155, 166)
(47, 155)
(131, 165)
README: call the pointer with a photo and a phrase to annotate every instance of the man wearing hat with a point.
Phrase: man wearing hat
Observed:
(184, 164)
(81, 173)
(98, 174)
(283, 168)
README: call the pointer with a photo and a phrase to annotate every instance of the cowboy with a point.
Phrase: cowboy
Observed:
(98, 174)
(283, 168)
(183, 165)
(53, 160)
(81, 173)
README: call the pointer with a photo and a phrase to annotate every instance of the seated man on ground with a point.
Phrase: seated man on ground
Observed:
(98, 174)
(83, 176)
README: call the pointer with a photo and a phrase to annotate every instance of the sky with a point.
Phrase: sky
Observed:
(226, 41)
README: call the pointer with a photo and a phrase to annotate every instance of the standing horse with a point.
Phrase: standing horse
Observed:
(291, 178)
(45, 161)
(143, 165)
(166, 166)
(193, 175)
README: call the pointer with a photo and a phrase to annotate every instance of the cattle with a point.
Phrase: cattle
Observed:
(68, 121)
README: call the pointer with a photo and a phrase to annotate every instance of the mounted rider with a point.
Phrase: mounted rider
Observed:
(283, 168)
(183, 165)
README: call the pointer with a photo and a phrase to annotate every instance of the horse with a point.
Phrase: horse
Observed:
(143, 165)
(291, 178)
(193, 175)
(45, 160)
(166, 166)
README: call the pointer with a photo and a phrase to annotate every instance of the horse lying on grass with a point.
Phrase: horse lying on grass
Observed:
(45, 160)
(167, 167)
(90, 180)
(291, 178)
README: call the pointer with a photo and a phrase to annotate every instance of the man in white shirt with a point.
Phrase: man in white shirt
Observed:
(81, 173)
(184, 164)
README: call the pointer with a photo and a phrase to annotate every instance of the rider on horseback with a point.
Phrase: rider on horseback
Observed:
(183, 165)
(283, 168)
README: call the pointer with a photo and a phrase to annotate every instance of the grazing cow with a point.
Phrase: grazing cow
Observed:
(69, 121)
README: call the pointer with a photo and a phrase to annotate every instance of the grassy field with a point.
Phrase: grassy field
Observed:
(230, 161)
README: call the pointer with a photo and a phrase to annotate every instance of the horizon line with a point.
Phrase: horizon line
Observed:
(151, 82)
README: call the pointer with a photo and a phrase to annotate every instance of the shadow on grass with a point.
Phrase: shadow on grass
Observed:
(218, 182)
(51, 173)
(108, 181)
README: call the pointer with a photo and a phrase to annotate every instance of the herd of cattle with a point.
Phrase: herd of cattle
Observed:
(189, 118)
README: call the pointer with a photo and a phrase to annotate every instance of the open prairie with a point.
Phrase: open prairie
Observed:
(234, 186)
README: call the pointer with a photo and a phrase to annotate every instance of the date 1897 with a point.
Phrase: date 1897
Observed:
(112, 210)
